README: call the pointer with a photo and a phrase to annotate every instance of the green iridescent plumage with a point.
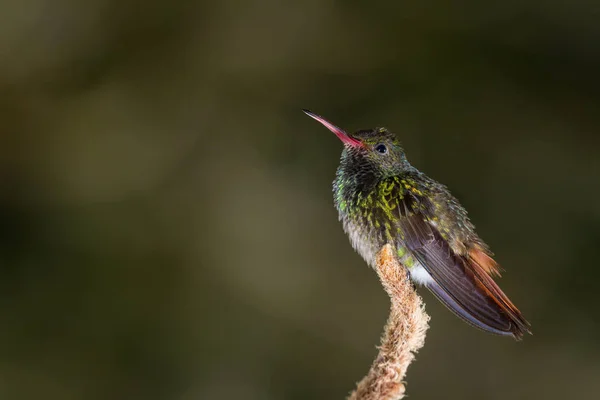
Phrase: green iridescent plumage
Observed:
(382, 199)
(375, 191)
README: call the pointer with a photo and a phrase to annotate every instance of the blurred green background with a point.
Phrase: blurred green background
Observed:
(166, 220)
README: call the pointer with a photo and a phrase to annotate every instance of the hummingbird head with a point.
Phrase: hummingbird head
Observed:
(370, 155)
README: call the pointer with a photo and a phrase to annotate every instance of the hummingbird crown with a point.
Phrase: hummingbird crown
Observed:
(374, 155)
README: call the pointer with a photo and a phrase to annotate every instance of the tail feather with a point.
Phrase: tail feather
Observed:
(462, 280)
(469, 291)
(476, 314)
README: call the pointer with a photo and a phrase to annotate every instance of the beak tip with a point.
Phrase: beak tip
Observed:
(343, 136)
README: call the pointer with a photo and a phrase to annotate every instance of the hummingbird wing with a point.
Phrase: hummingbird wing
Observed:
(462, 282)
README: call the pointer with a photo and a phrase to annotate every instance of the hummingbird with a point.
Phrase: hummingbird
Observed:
(382, 199)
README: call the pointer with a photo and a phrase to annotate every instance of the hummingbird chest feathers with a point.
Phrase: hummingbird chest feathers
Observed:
(370, 214)
(381, 212)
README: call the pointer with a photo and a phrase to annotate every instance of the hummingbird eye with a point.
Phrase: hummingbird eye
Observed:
(381, 148)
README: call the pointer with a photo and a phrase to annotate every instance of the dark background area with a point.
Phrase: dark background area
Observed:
(166, 220)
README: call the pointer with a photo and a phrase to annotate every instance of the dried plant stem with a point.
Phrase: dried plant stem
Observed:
(403, 335)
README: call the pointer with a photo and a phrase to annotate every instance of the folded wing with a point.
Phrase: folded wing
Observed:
(462, 282)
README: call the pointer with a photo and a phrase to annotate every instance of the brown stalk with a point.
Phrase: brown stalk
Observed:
(403, 334)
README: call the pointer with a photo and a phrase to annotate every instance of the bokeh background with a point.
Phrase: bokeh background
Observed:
(166, 220)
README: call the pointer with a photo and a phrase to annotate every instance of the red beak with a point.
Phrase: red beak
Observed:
(343, 136)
